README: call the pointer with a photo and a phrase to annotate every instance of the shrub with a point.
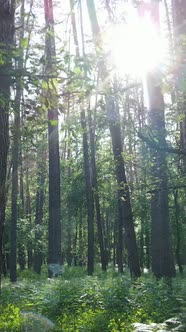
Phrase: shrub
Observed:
(107, 302)
(10, 320)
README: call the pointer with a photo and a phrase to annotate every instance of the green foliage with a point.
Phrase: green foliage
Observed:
(24, 42)
(10, 320)
(75, 302)
(152, 301)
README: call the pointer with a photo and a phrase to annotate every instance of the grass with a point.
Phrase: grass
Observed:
(106, 302)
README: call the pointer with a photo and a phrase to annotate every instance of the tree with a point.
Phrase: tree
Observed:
(89, 197)
(40, 197)
(161, 248)
(15, 156)
(96, 193)
(179, 33)
(124, 206)
(6, 45)
(54, 228)
(162, 258)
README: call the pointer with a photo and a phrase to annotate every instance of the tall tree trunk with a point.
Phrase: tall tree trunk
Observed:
(21, 242)
(96, 194)
(54, 227)
(38, 255)
(162, 257)
(144, 210)
(124, 207)
(73, 21)
(179, 26)
(4, 261)
(89, 197)
(178, 237)
(74, 245)
(6, 42)
(142, 243)
(28, 217)
(15, 158)
(115, 244)
(69, 216)
(80, 253)
(125, 217)
(147, 245)
(108, 236)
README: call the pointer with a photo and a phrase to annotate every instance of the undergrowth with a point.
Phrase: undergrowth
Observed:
(106, 302)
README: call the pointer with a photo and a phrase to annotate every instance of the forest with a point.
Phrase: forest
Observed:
(92, 165)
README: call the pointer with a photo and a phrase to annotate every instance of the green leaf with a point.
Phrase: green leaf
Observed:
(44, 85)
(53, 122)
(24, 43)
(77, 71)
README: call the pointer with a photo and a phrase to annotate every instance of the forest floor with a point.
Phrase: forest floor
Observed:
(106, 302)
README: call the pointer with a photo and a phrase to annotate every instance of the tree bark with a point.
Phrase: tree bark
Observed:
(38, 253)
(179, 29)
(124, 207)
(28, 217)
(125, 217)
(15, 158)
(15, 162)
(89, 197)
(54, 226)
(162, 257)
(6, 42)
(96, 194)
(69, 216)
(178, 237)
(21, 242)
(80, 252)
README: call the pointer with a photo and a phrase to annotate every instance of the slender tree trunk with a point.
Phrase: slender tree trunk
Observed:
(69, 216)
(6, 42)
(108, 236)
(144, 221)
(142, 244)
(73, 20)
(144, 210)
(74, 254)
(15, 159)
(54, 227)
(124, 207)
(178, 237)
(89, 197)
(147, 245)
(96, 195)
(29, 218)
(69, 237)
(21, 242)
(4, 262)
(38, 253)
(80, 254)
(114, 244)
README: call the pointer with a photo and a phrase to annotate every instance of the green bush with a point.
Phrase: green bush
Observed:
(106, 302)
(152, 300)
(10, 320)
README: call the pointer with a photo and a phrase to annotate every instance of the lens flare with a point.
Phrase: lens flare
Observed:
(136, 47)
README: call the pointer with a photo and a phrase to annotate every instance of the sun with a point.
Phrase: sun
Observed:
(135, 47)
